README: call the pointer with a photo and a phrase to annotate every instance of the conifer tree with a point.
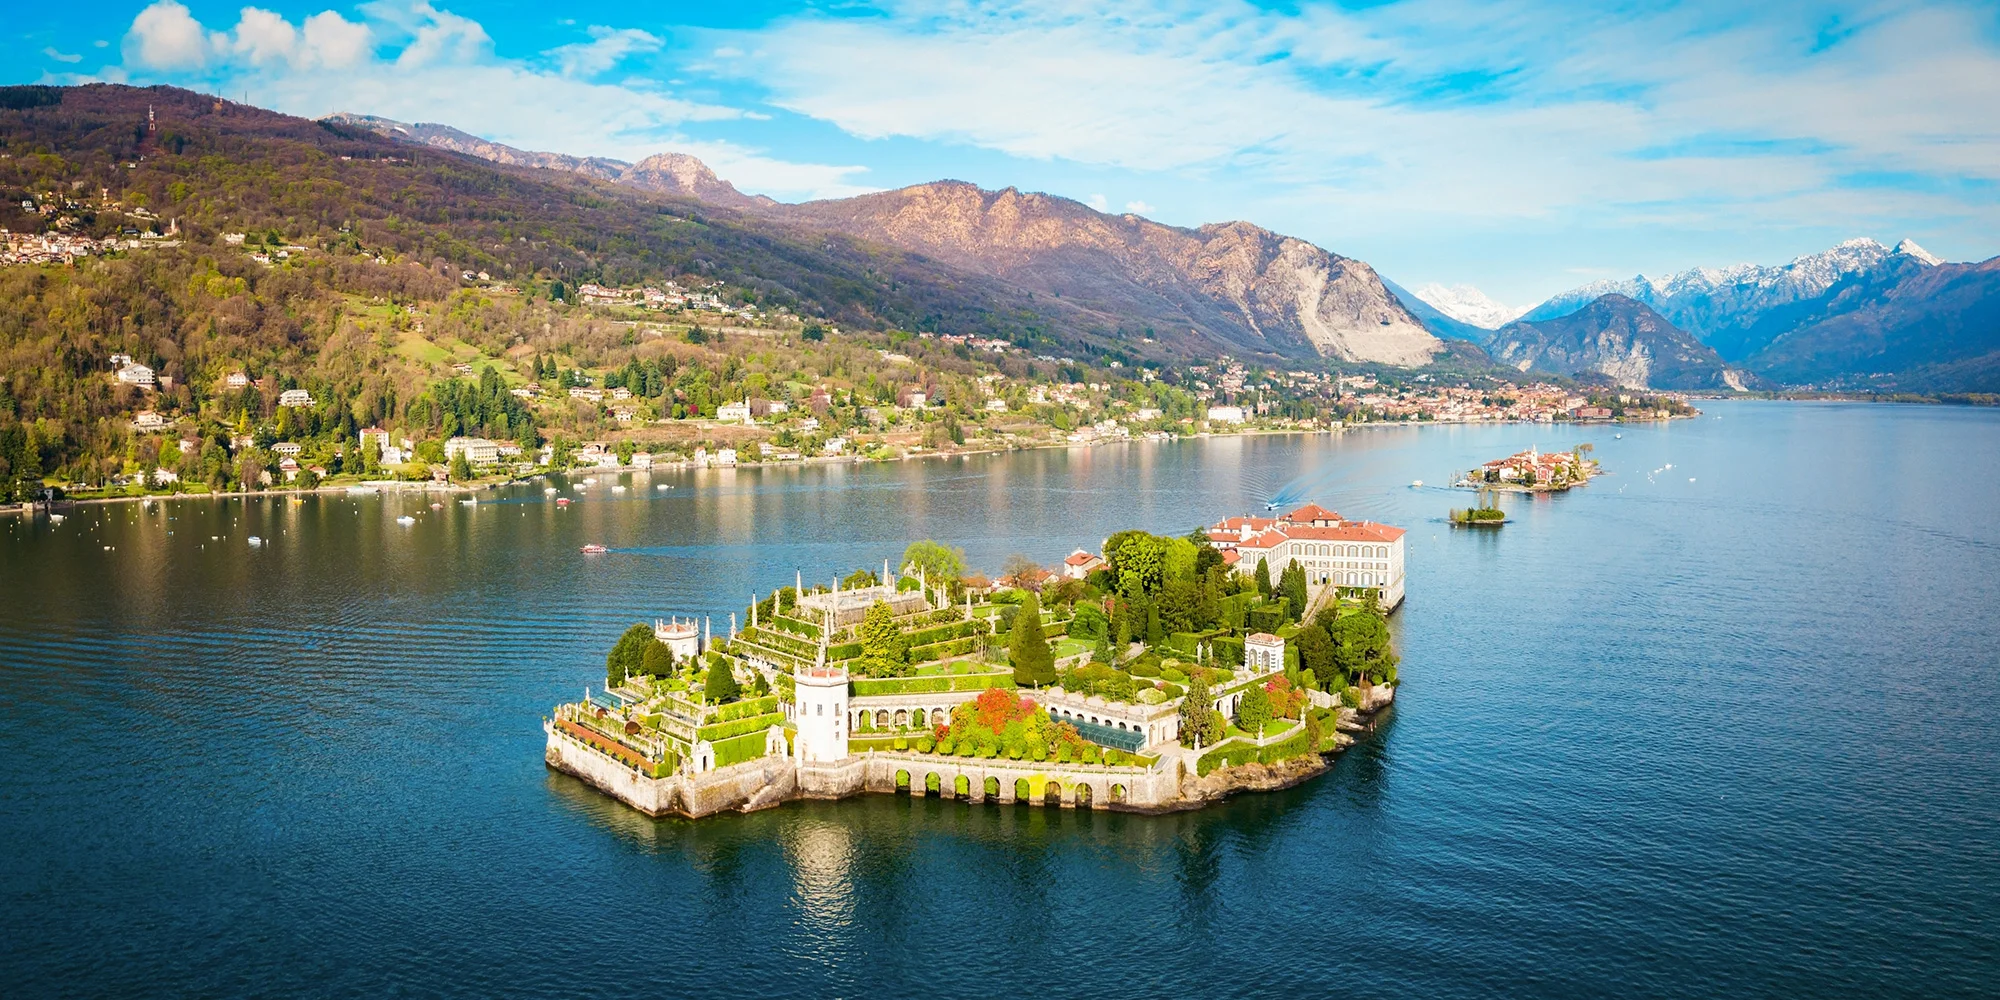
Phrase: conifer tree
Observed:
(1195, 711)
(1263, 578)
(1034, 664)
(722, 684)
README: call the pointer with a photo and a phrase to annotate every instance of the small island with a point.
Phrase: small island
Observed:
(1158, 674)
(1532, 471)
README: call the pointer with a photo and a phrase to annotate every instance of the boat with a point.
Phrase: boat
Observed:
(297, 502)
(58, 518)
(617, 489)
(1416, 484)
(663, 486)
(469, 503)
(562, 501)
(1617, 437)
(548, 489)
(255, 541)
(594, 548)
(362, 491)
(437, 506)
(406, 520)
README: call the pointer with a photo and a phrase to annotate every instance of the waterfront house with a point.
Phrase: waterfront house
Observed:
(1081, 564)
(477, 451)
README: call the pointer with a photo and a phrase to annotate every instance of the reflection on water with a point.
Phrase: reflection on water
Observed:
(1624, 762)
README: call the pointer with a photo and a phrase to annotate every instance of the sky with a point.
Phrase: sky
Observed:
(1520, 146)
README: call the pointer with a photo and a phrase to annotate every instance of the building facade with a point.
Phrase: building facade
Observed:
(1332, 550)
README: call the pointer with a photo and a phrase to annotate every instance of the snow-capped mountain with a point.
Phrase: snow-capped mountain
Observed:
(1469, 305)
(1741, 308)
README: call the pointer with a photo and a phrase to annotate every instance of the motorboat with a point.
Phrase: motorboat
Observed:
(563, 501)
(406, 520)
(1416, 484)
(595, 548)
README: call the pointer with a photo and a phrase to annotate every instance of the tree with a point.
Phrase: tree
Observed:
(721, 681)
(1034, 664)
(461, 468)
(1253, 710)
(1020, 571)
(1195, 711)
(881, 641)
(1315, 647)
(657, 661)
(939, 563)
(1263, 578)
(628, 656)
(1089, 623)
(1293, 584)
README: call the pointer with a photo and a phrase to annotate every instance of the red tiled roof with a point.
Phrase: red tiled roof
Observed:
(1312, 512)
(1080, 558)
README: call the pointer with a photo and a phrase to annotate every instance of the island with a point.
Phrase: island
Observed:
(1531, 471)
(1157, 674)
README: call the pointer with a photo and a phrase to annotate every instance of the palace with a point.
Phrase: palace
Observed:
(1333, 551)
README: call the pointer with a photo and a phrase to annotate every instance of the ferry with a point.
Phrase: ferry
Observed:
(594, 548)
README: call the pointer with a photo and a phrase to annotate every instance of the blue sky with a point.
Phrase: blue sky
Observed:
(1522, 147)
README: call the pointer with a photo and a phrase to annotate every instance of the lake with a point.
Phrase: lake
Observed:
(1726, 727)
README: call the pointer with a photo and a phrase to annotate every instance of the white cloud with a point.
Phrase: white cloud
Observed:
(1139, 208)
(607, 47)
(63, 57)
(166, 36)
(416, 62)
(1098, 202)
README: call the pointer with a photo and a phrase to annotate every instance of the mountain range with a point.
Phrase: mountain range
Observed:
(1618, 339)
(1226, 286)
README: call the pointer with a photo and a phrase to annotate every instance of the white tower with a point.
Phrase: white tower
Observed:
(821, 700)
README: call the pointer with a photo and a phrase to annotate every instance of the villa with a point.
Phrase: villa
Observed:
(1333, 551)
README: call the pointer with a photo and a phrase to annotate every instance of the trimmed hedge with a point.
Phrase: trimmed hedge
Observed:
(745, 709)
(738, 749)
(940, 650)
(729, 730)
(843, 651)
(941, 633)
(1237, 752)
(796, 627)
(863, 686)
(1229, 650)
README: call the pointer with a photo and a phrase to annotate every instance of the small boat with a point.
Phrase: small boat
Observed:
(548, 489)
(256, 541)
(594, 548)
(297, 502)
(663, 486)
(406, 520)
(1617, 437)
(563, 501)
(1416, 484)
(437, 506)
(617, 489)
(469, 503)
(58, 518)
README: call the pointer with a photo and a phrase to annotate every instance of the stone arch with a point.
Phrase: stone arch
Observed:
(1083, 795)
(992, 788)
(1021, 792)
(962, 787)
(938, 717)
(902, 780)
(1052, 794)
(902, 718)
(1117, 794)
(931, 783)
(882, 718)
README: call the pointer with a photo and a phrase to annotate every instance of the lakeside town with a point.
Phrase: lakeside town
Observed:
(1158, 673)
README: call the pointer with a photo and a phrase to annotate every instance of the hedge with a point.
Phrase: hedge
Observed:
(737, 749)
(940, 650)
(844, 651)
(925, 637)
(796, 627)
(745, 709)
(1268, 617)
(929, 685)
(1228, 650)
(1237, 752)
(738, 727)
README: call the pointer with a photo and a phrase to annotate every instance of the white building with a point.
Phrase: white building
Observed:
(733, 413)
(1333, 551)
(1263, 652)
(295, 397)
(834, 446)
(137, 374)
(1225, 415)
(147, 420)
(1081, 564)
(820, 701)
(682, 638)
(236, 380)
(477, 451)
(377, 435)
(289, 449)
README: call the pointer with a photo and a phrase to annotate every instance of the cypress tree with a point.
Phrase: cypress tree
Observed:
(721, 681)
(1263, 578)
(1195, 710)
(1293, 583)
(1034, 664)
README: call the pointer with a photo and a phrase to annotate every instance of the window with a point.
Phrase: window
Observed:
(822, 710)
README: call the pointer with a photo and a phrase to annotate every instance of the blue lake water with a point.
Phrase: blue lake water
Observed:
(1721, 729)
